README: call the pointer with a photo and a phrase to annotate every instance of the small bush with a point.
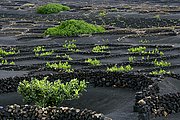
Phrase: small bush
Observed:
(74, 28)
(51, 8)
(44, 93)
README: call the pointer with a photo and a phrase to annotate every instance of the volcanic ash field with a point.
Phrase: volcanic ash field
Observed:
(131, 64)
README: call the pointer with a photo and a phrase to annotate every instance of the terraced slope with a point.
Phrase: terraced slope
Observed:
(129, 24)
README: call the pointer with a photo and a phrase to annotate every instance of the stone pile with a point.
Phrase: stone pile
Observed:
(148, 103)
(97, 78)
(29, 112)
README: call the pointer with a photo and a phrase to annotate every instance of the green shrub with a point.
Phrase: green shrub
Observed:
(44, 93)
(73, 28)
(51, 8)
(120, 69)
(94, 62)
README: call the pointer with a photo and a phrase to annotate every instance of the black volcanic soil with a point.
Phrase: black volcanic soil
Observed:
(21, 27)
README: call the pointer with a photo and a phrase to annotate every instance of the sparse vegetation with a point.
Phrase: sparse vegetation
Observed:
(156, 51)
(114, 9)
(45, 53)
(74, 28)
(51, 8)
(128, 50)
(144, 41)
(157, 17)
(64, 56)
(126, 6)
(44, 93)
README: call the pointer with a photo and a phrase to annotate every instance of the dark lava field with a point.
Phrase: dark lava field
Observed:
(154, 24)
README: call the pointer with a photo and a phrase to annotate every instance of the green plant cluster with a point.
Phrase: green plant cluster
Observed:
(64, 56)
(156, 51)
(99, 49)
(102, 13)
(67, 56)
(142, 50)
(161, 63)
(121, 69)
(45, 53)
(157, 17)
(44, 93)
(40, 51)
(74, 28)
(132, 58)
(93, 62)
(6, 53)
(51, 8)
(71, 46)
(139, 49)
(65, 66)
(159, 72)
(5, 62)
(114, 9)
